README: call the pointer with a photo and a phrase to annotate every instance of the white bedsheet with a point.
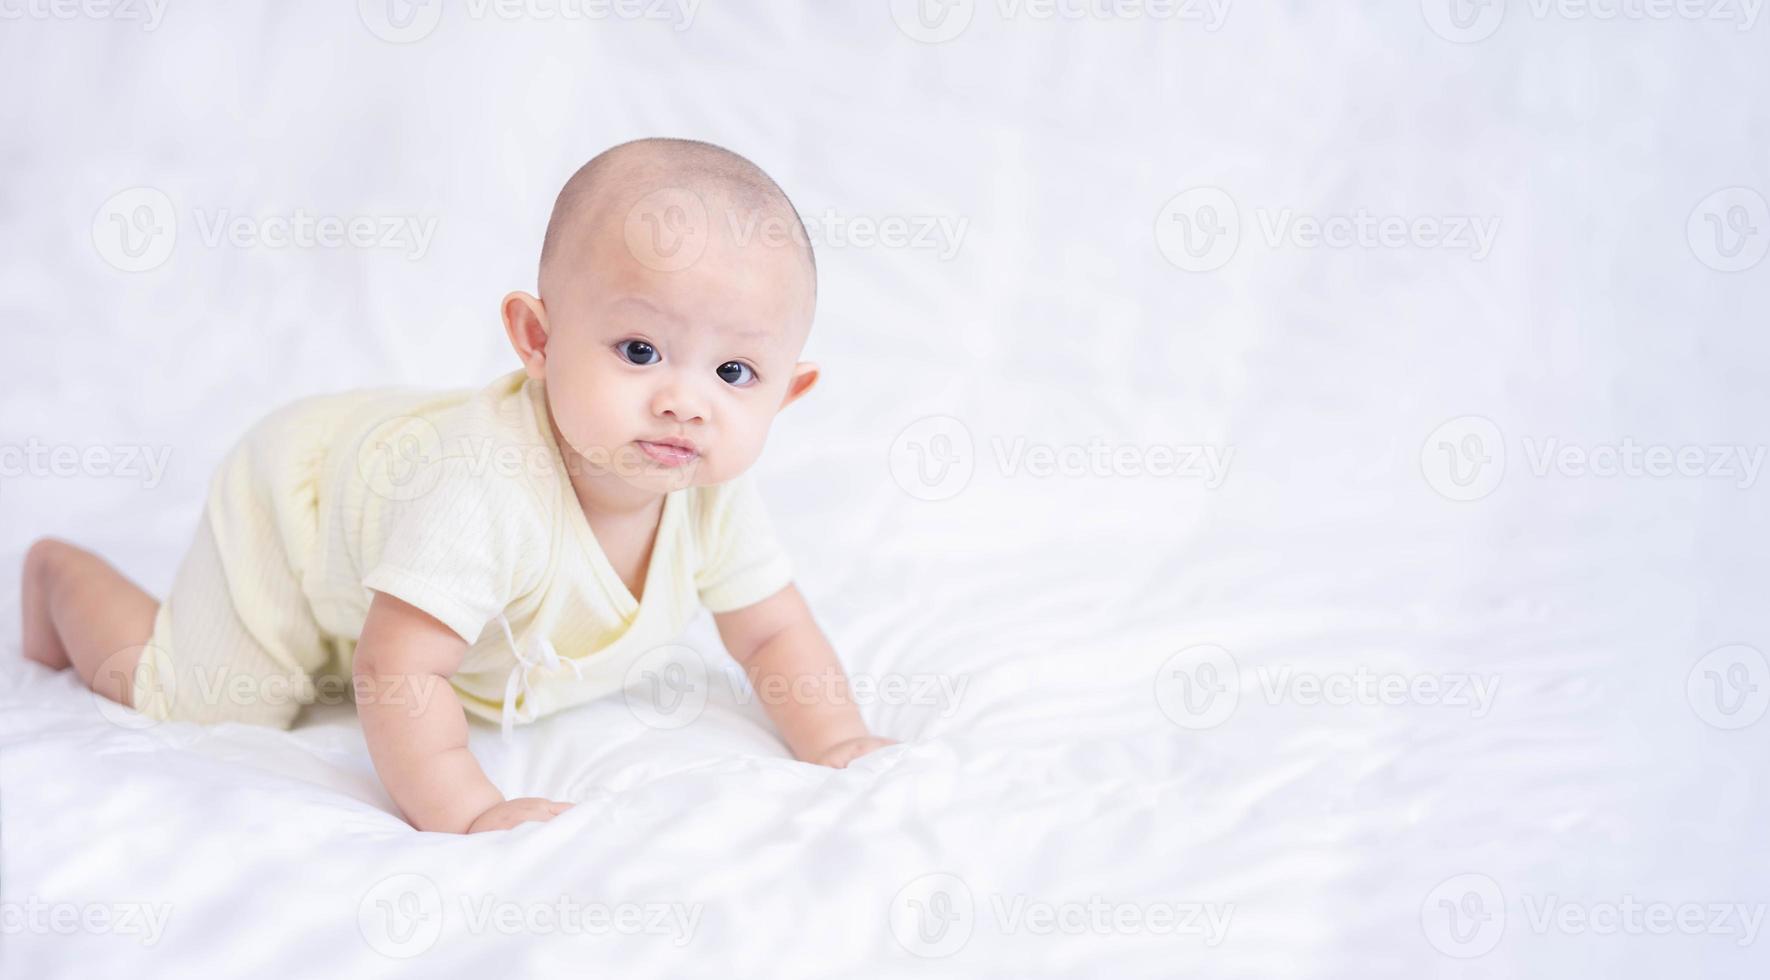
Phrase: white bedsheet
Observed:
(1522, 747)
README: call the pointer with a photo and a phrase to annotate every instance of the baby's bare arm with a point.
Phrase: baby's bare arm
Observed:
(416, 728)
(797, 678)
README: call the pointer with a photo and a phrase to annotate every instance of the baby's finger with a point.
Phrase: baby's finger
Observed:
(558, 808)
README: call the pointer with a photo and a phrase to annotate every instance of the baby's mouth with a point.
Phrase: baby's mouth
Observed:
(668, 453)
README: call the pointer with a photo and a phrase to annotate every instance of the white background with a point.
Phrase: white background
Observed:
(1605, 311)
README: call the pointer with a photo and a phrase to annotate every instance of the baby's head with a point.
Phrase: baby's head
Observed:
(676, 292)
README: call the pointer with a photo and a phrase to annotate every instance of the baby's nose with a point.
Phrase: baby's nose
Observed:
(679, 402)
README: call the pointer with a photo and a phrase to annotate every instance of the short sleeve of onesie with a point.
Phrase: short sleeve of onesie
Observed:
(464, 549)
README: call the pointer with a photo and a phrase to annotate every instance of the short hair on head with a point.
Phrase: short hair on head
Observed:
(704, 167)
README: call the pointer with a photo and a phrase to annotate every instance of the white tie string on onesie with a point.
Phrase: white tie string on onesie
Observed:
(542, 655)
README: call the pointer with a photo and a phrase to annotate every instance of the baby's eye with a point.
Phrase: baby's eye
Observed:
(638, 351)
(736, 373)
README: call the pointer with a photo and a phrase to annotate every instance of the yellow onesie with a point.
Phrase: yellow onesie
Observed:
(457, 502)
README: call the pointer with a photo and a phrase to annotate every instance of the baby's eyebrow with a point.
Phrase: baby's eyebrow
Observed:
(757, 334)
(648, 304)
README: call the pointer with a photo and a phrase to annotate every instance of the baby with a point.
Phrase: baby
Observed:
(509, 551)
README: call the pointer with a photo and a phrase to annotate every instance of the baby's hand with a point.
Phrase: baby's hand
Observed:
(512, 812)
(838, 756)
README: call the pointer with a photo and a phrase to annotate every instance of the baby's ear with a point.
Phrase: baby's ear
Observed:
(525, 323)
(804, 376)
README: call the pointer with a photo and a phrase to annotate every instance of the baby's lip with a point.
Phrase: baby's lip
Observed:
(674, 443)
(671, 453)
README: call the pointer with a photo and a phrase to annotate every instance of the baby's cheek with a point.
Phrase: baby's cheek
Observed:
(583, 415)
(746, 446)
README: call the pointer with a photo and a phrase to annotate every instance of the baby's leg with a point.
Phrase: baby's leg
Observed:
(78, 609)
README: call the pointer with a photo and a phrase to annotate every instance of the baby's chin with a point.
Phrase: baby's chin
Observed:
(661, 479)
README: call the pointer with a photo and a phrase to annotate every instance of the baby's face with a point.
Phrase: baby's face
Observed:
(665, 377)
